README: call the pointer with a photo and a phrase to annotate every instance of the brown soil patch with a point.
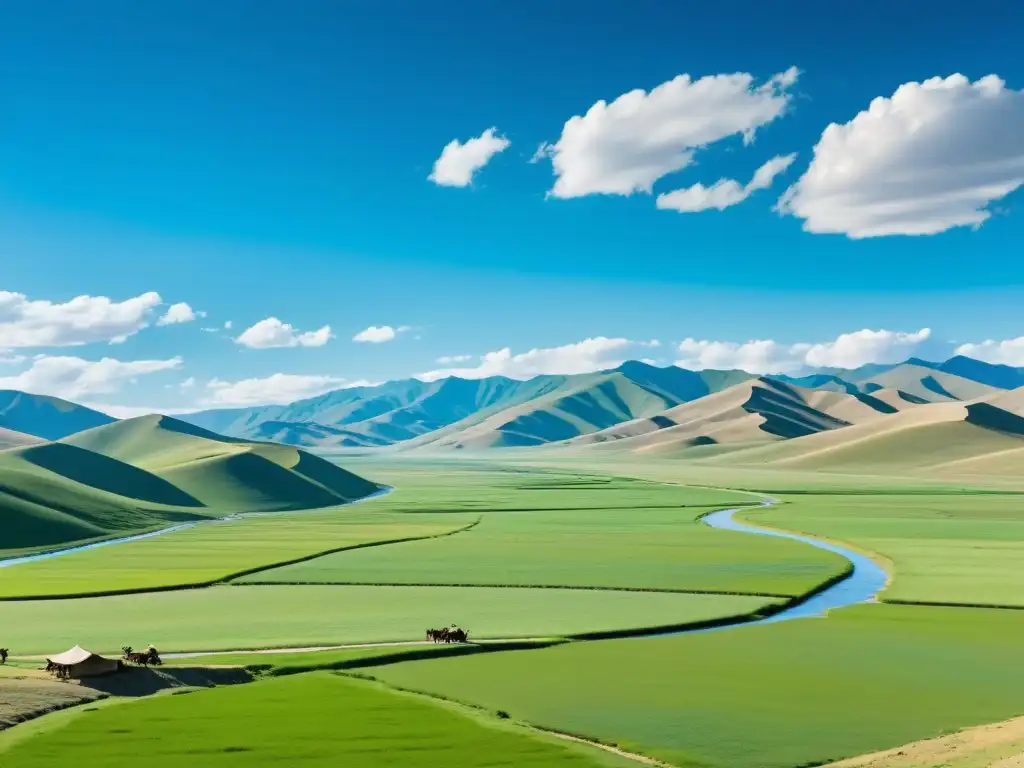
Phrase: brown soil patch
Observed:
(998, 745)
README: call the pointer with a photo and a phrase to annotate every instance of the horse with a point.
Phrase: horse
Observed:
(153, 656)
(3, 655)
(437, 635)
(142, 659)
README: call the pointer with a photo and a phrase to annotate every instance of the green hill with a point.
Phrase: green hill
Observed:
(47, 417)
(147, 472)
(416, 412)
(11, 439)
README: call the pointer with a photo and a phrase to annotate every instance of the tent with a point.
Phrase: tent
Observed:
(85, 663)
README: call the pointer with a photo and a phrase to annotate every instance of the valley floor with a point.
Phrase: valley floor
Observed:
(519, 552)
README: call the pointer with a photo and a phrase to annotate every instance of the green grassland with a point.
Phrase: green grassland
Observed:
(226, 618)
(966, 548)
(631, 548)
(145, 473)
(316, 719)
(215, 551)
(785, 694)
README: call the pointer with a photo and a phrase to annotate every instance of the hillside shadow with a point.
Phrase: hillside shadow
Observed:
(990, 417)
(106, 474)
(133, 681)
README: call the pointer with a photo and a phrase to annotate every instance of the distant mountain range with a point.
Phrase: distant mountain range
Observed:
(826, 418)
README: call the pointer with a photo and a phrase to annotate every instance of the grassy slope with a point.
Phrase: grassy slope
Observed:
(957, 549)
(316, 719)
(224, 472)
(143, 473)
(9, 438)
(633, 548)
(867, 678)
(229, 617)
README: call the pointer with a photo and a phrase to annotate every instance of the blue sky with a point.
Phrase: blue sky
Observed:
(271, 160)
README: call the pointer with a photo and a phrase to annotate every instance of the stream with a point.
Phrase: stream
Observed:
(5, 563)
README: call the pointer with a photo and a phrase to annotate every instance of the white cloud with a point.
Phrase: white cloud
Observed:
(849, 350)
(1005, 352)
(188, 383)
(377, 334)
(277, 388)
(459, 162)
(724, 193)
(82, 320)
(625, 146)
(179, 313)
(12, 359)
(583, 357)
(929, 158)
(227, 325)
(273, 333)
(73, 377)
(451, 359)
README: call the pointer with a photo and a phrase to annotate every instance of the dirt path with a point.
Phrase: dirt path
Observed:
(606, 747)
(997, 745)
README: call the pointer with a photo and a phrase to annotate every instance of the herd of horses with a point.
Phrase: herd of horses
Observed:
(450, 634)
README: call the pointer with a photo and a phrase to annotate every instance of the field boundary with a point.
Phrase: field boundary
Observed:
(229, 577)
(462, 585)
(480, 710)
(944, 604)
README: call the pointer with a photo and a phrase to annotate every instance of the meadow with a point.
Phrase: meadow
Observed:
(215, 551)
(228, 617)
(626, 547)
(312, 719)
(788, 694)
(966, 548)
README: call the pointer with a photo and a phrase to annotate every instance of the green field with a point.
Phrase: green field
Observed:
(214, 551)
(315, 719)
(966, 548)
(787, 694)
(231, 617)
(633, 548)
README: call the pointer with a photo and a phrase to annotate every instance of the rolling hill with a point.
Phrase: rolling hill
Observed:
(150, 471)
(959, 437)
(754, 411)
(11, 439)
(47, 417)
(585, 404)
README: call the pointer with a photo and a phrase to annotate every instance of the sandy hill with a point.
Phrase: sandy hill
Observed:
(964, 435)
(755, 411)
(145, 472)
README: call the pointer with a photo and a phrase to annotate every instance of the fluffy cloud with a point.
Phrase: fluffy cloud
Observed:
(929, 158)
(452, 359)
(459, 162)
(623, 147)
(179, 313)
(588, 355)
(724, 193)
(848, 350)
(273, 333)
(73, 377)
(277, 388)
(1006, 352)
(377, 334)
(82, 320)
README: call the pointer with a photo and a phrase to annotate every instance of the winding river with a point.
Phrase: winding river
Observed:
(863, 584)
(866, 579)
